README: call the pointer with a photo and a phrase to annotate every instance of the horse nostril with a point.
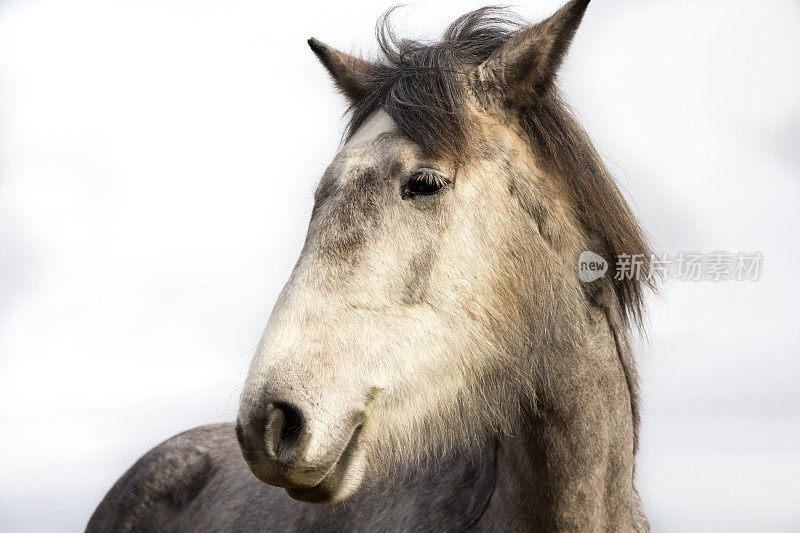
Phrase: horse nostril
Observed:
(284, 427)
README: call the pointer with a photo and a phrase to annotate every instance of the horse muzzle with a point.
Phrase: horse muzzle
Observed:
(317, 460)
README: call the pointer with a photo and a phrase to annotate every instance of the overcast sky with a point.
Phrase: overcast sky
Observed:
(157, 164)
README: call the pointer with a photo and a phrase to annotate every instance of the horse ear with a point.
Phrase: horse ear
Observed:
(349, 73)
(526, 65)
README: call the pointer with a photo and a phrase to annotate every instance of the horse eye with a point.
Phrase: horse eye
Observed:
(425, 183)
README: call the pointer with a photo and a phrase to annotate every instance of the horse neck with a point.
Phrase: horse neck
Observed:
(569, 462)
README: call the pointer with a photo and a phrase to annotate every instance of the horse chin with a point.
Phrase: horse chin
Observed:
(343, 479)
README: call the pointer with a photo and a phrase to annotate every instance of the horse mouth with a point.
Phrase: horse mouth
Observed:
(341, 481)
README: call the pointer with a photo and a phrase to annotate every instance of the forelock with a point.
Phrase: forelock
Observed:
(423, 85)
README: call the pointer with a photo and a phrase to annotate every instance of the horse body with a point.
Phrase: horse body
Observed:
(434, 362)
(452, 496)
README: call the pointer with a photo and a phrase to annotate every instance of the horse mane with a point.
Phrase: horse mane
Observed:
(424, 87)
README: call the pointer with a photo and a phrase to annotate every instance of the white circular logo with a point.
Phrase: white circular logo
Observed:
(591, 266)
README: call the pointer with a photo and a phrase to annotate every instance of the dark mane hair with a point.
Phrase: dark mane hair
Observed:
(424, 88)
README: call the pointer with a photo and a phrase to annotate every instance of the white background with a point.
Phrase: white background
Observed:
(157, 162)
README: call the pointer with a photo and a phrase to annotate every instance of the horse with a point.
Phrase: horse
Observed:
(435, 361)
